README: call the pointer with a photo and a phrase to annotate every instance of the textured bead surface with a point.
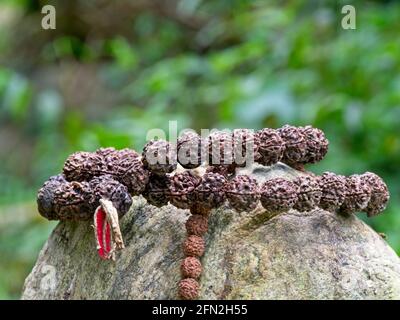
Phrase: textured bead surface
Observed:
(358, 194)
(126, 167)
(278, 195)
(379, 194)
(83, 166)
(316, 144)
(159, 156)
(295, 144)
(189, 150)
(193, 246)
(181, 189)
(210, 193)
(188, 289)
(157, 190)
(191, 267)
(242, 193)
(197, 225)
(309, 193)
(271, 147)
(245, 147)
(45, 197)
(106, 187)
(333, 188)
(220, 149)
(72, 201)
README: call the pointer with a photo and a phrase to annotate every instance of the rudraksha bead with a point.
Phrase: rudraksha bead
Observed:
(271, 147)
(181, 189)
(159, 156)
(379, 194)
(210, 193)
(278, 195)
(189, 150)
(333, 188)
(309, 193)
(358, 194)
(242, 193)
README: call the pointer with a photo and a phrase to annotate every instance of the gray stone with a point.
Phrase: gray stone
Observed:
(312, 255)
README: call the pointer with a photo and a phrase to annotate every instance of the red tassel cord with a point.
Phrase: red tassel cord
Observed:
(107, 231)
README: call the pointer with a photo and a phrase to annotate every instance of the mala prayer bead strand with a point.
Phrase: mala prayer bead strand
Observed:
(99, 185)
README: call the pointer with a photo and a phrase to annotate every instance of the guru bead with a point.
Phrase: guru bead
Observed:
(210, 193)
(189, 150)
(105, 187)
(242, 193)
(278, 195)
(295, 144)
(379, 194)
(159, 157)
(333, 188)
(271, 147)
(191, 267)
(193, 246)
(181, 189)
(316, 145)
(309, 193)
(157, 190)
(188, 289)
(358, 194)
(45, 197)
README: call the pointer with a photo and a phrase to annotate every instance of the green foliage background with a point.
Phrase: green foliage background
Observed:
(114, 69)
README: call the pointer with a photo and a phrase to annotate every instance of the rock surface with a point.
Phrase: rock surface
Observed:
(313, 255)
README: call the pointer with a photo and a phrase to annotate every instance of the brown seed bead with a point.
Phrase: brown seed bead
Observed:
(197, 225)
(126, 167)
(191, 267)
(242, 193)
(271, 147)
(220, 149)
(333, 191)
(210, 193)
(106, 187)
(379, 194)
(295, 144)
(193, 246)
(358, 194)
(316, 144)
(245, 147)
(83, 166)
(309, 194)
(159, 156)
(278, 195)
(45, 197)
(189, 150)
(72, 201)
(181, 189)
(188, 289)
(157, 190)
